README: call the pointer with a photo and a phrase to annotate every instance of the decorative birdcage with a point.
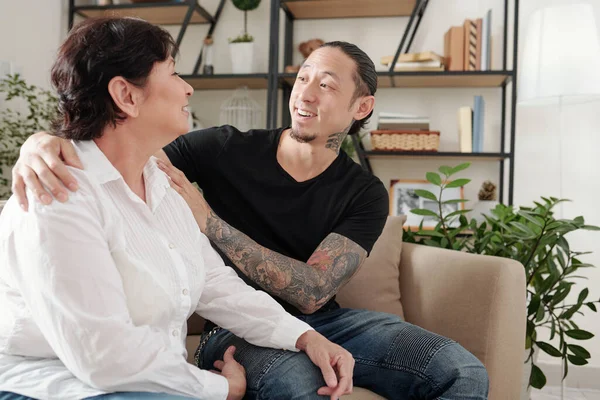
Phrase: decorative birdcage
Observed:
(242, 111)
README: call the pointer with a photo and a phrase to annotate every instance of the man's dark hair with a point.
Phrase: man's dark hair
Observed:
(96, 51)
(365, 77)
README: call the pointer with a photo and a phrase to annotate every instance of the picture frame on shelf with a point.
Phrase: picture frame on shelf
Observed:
(403, 199)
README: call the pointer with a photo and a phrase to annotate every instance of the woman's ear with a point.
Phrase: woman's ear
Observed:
(125, 95)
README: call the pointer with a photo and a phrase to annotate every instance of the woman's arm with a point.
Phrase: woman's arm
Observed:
(64, 269)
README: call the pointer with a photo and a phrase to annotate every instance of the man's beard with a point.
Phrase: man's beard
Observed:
(300, 137)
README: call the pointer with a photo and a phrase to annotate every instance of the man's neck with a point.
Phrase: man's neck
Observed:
(304, 161)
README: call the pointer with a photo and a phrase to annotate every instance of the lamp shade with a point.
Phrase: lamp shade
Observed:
(561, 57)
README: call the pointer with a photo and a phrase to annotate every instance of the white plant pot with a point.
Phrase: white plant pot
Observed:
(481, 208)
(242, 57)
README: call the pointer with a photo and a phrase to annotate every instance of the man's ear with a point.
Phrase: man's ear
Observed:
(125, 95)
(365, 106)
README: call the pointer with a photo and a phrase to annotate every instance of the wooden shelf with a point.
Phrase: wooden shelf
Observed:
(163, 13)
(434, 154)
(226, 81)
(321, 9)
(442, 79)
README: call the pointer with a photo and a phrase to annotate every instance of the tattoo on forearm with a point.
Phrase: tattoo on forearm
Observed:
(308, 286)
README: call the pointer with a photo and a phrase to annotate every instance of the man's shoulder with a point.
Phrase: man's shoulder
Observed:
(226, 136)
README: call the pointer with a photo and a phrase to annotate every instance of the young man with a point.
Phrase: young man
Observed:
(297, 217)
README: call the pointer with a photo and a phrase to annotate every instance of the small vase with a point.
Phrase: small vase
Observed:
(481, 208)
(242, 57)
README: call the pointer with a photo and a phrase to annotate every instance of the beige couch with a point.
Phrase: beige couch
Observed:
(479, 301)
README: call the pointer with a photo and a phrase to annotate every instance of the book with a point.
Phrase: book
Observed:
(385, 114)
(479, 26)
(414, 57)
(415, 126)
(470, 51)
(454, 48)
(478, 123)
(465, 129)
(410, 64)
(486, 44)
(403, 120)
(408, 68)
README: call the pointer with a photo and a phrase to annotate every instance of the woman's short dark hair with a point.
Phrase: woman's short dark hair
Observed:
(96, 51)
(365, 77)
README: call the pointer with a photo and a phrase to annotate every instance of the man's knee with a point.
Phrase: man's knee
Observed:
(293, 376)
(455, 369)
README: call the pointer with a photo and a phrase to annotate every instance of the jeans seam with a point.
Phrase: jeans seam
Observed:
(421, 374)
(265, 370)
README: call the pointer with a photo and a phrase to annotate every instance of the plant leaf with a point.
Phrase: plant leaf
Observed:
(426, 194)
(454, 201)
(579, 334)
(424, 212)
(446, 170)
(577, 360)
(434, 178)
(583, 295)
(579, 351)
(590, 228)
(430, 233)
(460, 167)
(549, 349)
(458, 183)
(537, 378)
(592, 306)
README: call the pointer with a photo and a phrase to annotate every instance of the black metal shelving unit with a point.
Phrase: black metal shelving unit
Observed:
(414, 9)
(181, 12)
(186, 12)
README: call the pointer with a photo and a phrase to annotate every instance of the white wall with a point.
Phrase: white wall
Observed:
(31, 30)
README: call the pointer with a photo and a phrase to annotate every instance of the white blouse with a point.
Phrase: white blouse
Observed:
(95, 293)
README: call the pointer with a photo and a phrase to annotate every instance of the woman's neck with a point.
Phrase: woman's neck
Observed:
(128, 155)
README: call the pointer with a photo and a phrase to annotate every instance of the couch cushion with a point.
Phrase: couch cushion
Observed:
(376, 286)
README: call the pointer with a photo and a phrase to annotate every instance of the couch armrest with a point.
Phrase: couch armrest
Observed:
(478, 301)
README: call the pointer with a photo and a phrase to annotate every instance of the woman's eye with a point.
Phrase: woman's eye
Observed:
(176, 73)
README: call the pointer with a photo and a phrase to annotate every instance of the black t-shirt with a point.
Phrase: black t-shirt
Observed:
(244, 184)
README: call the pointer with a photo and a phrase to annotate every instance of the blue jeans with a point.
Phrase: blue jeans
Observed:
(111, 396)
(394, 359)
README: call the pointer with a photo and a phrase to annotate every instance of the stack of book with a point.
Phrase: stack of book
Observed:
(424, 61)
(404, 132)
(470, 126)
(469, 47)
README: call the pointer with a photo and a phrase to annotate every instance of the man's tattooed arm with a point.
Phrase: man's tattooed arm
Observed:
(307, 286)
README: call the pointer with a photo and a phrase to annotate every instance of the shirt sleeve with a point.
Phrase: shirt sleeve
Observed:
(366, 218)
(251, 314)
(195, 153)
(69, 281)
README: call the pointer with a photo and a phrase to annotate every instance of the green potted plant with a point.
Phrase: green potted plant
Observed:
(241, 47)
(538, 240)
(27, 109)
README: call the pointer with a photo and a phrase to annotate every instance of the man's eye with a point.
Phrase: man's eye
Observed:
(301, 78)
(324, 85)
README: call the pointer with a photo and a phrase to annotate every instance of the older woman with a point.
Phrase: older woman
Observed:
(95, 292)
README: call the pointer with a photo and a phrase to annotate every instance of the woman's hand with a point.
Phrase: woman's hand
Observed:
(234, 373)
(189, 192)
(335, 362)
